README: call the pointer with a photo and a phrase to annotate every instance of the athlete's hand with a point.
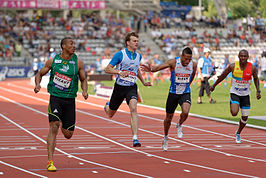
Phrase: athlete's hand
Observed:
(145, 68)
(211, 88)
(147, 84)
(85, 95)
(37, 88)
(258, 95)
(124, 73)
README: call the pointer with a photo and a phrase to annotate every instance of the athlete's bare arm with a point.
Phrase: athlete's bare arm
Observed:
(170, 63)
(42, 72)
(194, 71)
(139, 75)
(229, 69)
(83, 79)
(111, 70)
(256, 81)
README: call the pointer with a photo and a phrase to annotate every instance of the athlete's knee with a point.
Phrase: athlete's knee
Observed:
(244, 119)
(133, 109)
(168, 118)
(111, 113)
(245, 112)
(234, 112)
(184, 114)
(67, 133)
(68, 136)
(54, 126)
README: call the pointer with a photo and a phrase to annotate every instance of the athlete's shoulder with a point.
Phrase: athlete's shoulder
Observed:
(118, 53)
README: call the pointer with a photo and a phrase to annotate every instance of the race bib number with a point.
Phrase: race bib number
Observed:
(129, 78)
(182, 78)
(241, 85)
(62, 81)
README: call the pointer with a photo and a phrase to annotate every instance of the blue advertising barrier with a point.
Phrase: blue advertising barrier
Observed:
(15, 72)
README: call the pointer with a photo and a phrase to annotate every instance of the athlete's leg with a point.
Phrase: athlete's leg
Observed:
(184, 114)
(242, 124)
(110, 113)
(51, 138)
(134, 116)
(116, 100)
(171, 105)
(234, 108)
(245, 110)
(234, 104)
(167, 122)
(67, 133)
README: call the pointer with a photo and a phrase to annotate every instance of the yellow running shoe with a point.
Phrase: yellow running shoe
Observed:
(50, 166)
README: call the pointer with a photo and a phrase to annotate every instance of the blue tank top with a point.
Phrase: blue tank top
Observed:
(207, 67)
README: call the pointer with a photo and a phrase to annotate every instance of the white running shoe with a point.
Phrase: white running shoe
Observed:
(179, 130)
(165, 144)
(238, 138)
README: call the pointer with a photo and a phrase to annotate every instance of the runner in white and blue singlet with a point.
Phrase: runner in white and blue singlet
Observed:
(182, 74)
(127, 61)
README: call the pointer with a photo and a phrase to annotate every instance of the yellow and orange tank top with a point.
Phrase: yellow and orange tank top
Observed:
(241, 80)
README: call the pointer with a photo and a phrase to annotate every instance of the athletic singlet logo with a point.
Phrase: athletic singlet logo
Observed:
(65, 68)
(55, 111)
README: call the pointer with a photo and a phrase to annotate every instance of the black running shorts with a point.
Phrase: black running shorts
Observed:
(174, 99)
(62, 109)
(122, 92)
(242, 101)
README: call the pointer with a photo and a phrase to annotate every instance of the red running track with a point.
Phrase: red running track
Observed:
(102, 147)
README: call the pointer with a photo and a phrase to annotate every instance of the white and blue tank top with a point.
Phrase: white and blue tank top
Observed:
(127, 61)
(181, 78)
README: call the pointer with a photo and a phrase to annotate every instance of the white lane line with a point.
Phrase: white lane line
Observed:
(147, 154)
(151, 118)
(110, 120)
(87, 147)
(24, 170)
(69, 155)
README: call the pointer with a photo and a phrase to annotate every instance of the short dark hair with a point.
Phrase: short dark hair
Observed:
(127, 38)
(63, 41)
(187, 50)
(243, 50)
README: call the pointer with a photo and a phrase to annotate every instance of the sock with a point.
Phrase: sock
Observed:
(166, 136)
(135, 137)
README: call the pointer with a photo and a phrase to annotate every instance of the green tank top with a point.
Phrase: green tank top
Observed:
(63, 80)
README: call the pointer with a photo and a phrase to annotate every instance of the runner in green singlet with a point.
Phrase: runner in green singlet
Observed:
(65, 69)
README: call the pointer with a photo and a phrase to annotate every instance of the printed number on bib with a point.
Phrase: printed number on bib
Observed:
(182, 78)
(241, 85)
(129, 78)
(62, 80)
